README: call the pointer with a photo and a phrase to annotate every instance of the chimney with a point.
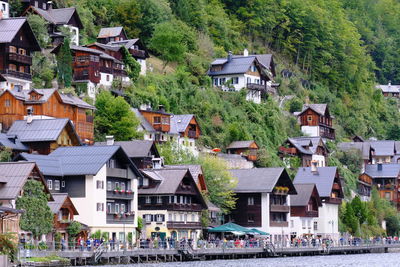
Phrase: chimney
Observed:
(379, 166)
(229, 56)
(314, 167)
(49, 5)
(245, 52)
(161, 108)
(110, 140)
(29, 117)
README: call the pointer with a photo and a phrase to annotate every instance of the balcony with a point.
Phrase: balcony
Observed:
(278, 224)
(17, 74)
(183, 225)
(256, 87)
(24, 59)
(117, 173)
(138, 53)
(184, 207)
(279, 208)
(289, 151)
(120, 218)
(333, 200)
(192, 134)
(312, 213)
(336, 186)
(118, 72)
(118, 195)
(81, 77)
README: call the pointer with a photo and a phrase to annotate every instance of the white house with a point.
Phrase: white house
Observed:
(102, 183)
(4, 9)
(236, 72)
(264, 197)
(330, 191)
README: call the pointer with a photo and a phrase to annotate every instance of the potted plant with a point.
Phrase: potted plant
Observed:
(117, 189)
(122, 191)
(285, 189)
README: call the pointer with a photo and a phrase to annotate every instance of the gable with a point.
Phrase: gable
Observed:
(26, 39)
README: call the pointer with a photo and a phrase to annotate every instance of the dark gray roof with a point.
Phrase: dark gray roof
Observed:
(126, 43)
(383, 148)
(143, 122)
(9, 27)
(95, 51)
(397, 147)
(110, 32)
(256, 180)
(323, 179)
(107, 47)
(195, 169)
(388, 170)
(134, 148)
(302, 142)
(389, 88)
(38, 130)
(304, 192)
(363, 147)
(12, 142)
(48, 165)
(14, 175)
(179, 123)
(237, 65)
(169, 180)
(319, 108)
(9, 210)
(57, 16)
(264, 59)
(240, 144)
(59, 199)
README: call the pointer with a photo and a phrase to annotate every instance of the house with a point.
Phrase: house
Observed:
(389, 90)
(17, 43)
(170, 204)
(4, 9)
(234, 161)
(197, 173)
(93, 69)
(304, 211)
(43, 136)
(263, 201)
(248, 149)
(43, 4)
(111, 34)
(12, 144)
(255, 73)
(307, 149)
(58, 19)
(13, 176)
(329, 187)
(46, 103)
(101, 182)
(316, 120)
(386, 178)
(64, 211)
(161, 127)
(364, 186)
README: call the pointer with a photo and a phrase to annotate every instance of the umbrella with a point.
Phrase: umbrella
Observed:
(231, 227)
(259, 232)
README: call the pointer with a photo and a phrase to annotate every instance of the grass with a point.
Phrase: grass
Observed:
(48, 259)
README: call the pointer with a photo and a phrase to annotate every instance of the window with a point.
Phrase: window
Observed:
(21, 51)
(109, 186)
(123, 186)
(36, 4)
(8, 103)
(170, 217)
(123, 208)
(216, 81)
(108, 78)
(50, 184)
(250, 201)
(100, 206)
(99, 184)
(145, 182)
(235, 80)
(291, 223)
(250, 218)
(117, 186)
(122, 236)
(248, 80)
(112, 163)
(57, 185)
(222, 81)
(147, 217)
(315, 226)
(309, 118)
(159, 218)
(148, 200)
(157, 120)
(12, 49)
(303, 224)
(193, 218)
(116, 208)
(44, 6)
(159, 200)
(109, 207)
(388, 195)
(62, 183)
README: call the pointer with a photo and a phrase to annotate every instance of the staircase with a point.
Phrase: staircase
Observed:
(98, 251)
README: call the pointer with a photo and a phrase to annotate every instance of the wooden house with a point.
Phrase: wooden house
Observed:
(316, 120)
(247, 149)
(389, 90)
(17, 43)
(47, 103)
(307, 149)
(364, 186)
(45, 135)
(111, 34)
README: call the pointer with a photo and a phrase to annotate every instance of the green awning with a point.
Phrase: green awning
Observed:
(231, 227)
(259, 231)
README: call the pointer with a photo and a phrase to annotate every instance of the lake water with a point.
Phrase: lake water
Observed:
(359, 260)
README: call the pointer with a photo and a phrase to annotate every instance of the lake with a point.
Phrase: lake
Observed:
(364, 260)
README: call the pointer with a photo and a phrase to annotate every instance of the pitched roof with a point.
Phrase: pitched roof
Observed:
(39, 130)
(13, 176)
(319, 108)
(389, 88)
(58, 16)
(126, 43)
(58, 201)
(306, 145)
(383, 148)
(304, 192)
(323, 178)
(9, 27)
(135, 148)
(257, 179)
(363, 147)
(240, 144)
(179, 123)
(12, 142)
(195, 169)
(95, 51)
(143, 122)
(110, 32)
(237, 65)
(391, 170)
(264, 59)
(169, 180)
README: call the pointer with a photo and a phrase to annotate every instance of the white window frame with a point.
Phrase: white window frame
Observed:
(62, 183)
(250, 201)
(109, 186)
(123, 186)
(57, 185)
(50, 184)
(116, 208)
(109, 208)
(159, 199)
(147, 200)
(123, 209)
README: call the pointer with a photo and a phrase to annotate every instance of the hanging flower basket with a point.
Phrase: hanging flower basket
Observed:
(122, 191)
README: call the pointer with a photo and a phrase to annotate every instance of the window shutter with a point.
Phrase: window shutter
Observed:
(152, 218)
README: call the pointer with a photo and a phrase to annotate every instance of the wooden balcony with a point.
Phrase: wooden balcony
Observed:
(279, 208)
(117, 173)
(119, 195)
(138, 53)
(118, 72)
(332, 200)
(24, 59)
(288, 150)
(183, 225)
(81, 77)
(106, 70)
(17, 74)
(120, 219)
(278, 224)
(171, 206)
(256, 87)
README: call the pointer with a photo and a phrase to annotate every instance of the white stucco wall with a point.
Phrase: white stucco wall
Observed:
(320, 159)
(5, 8)
(74, 34)
(310, 130)
(328, 221)
(302, 225)
(12, 82)
(381, 159)
(103, 79)
(143, 66)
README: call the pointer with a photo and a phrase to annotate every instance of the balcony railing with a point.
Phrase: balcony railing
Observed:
(312, 213)
(278, 224)
(256, 86)
(120, 195)
(106, 69)
(279, 208)
(20, 58)
(81, 77)
(333, 200)
(118, 72)
(184, 207)
(17, 74)
(138, 53)
(183, 225)
(288, 150)
(117, 172)
(120, 218)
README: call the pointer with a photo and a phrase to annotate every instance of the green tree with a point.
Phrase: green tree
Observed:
(73, 229)
(5, 154)
(39, 27)
(127, 13)
(360, 209)
(64, 64)
(114, 116)
(15, 8)
(37, 218)
(131, 65)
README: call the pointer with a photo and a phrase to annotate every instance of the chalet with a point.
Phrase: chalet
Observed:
(255, 73)
(247, 149)
(64, 211)
(17, 43)
(307, 149)
(59, 18)
(389, 90)
(14, 175)
(316, 120)
(263, 201)
(46, 103)
(162, 127)
(197, 173)
(111, 34)
(101, 182)
(363, 148)
(93, 69)
(329, 187)
(386, 178)
(170, 204)
(44, 136)
(304, 211)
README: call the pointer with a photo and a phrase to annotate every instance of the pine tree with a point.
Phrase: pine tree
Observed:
(64, 65)
(131, 65)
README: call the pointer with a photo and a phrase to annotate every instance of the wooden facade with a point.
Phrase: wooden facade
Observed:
(160, 120)
(310, 117)
(193, 129)
(14, 108)
(115, 38)
(288, 149)
(309, 210)
(247, 212)
(250, 152)
(364, 185)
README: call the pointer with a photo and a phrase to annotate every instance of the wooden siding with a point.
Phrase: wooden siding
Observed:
(150, 115)
(193, 129)
(243, 212)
